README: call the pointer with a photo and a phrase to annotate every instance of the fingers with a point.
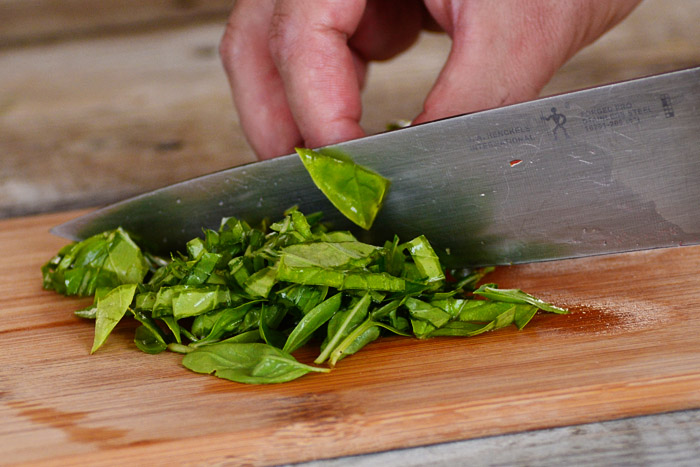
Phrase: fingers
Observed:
(388, 27)
(296, 68)
(321, 77)
(505, 52)
(256, 86)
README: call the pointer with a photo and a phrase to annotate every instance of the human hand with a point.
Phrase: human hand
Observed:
(297, 67)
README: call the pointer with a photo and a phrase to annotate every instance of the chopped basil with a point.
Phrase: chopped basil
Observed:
(241, 299)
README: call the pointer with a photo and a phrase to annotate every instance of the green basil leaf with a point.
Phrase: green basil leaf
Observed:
(245, 337)
(227, 321)
(343, 255)
(342, 324)
(467, 281)
(342, 280)
(421, 329)
(251, 363)
(270, 316)
(148, 342)
(516, 296)
(357, 192)
(304, 297)
(426, 260)
(360, 336)
(312, 321)
(202, 269)
(108, 259)
(523, 315)
(387, 308)
(469, 329)
(174, 327)
(90, 311)
(110, 310)
(150, 324)
(196, 248)
(393, 258)
(420, 310)
(260, 283)
(194, 300)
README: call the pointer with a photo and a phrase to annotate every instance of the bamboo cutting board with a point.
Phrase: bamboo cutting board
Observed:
(631, 346)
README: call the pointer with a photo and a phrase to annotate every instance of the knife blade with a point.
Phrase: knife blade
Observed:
(603, 170)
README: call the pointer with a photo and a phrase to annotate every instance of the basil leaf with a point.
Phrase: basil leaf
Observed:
(202, 269)
(251, 363)
(147, 322)
(357, 192)
(227, 321)
(342, 324)
(392, 258)
(386, 310)
(174, 327)
(342, 280)
(426, 260)
(329, 255)
(270, 317)
(469, 280)
(420, 310)
(244, 337)
(516, 296)
(469, 329)
(108, 259)
(110, 310)
(312, 321)
(260, 283)
(148, 342)
(90, 311)
(194, 300)
(304, 297)
(523, 315)
(357, 339)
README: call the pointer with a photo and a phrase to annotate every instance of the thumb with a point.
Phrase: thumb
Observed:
(505, 52)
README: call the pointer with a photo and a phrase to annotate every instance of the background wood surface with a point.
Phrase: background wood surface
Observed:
(628, 348)
(124, 99)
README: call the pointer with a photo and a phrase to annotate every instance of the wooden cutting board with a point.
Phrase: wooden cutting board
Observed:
(631, 346)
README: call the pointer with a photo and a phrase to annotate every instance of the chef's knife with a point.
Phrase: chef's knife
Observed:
(603, 170)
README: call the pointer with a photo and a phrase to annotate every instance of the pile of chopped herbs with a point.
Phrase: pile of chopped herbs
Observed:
(240, 300)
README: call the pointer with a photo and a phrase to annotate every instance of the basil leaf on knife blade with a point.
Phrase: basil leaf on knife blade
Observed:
(355, 191)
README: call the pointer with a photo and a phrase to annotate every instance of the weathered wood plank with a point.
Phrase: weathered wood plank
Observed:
(36, 21)
(654, 440)
(87, 122)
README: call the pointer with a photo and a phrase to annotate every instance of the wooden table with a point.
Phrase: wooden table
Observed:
(96, 105)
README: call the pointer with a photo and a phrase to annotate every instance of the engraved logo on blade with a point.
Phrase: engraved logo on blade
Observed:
(559, 120)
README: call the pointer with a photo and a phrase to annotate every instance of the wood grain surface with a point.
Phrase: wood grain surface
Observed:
(629, 347)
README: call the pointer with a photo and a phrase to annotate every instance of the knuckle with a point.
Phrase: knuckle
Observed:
(281, 36)
(232, 44)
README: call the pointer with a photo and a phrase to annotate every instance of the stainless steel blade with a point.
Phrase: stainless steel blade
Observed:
(604, 170)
